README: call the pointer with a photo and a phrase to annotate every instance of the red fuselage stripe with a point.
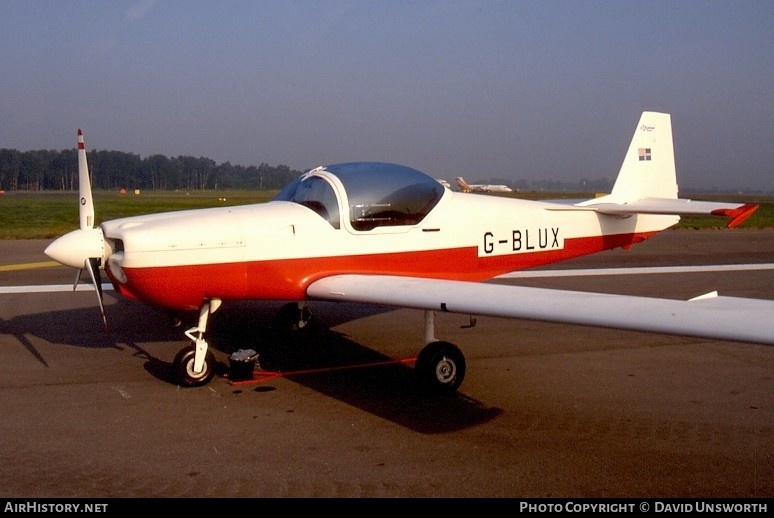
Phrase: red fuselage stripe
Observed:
(186, 287)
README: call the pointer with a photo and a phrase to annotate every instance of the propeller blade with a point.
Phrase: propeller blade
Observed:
(77, 278)
(86, 209)
(97, 278)
(92, 265)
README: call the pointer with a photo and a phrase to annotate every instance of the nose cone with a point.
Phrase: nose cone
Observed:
(73, 248)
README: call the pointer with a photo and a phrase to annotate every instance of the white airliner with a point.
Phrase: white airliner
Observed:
(388, 234)
(480, 187)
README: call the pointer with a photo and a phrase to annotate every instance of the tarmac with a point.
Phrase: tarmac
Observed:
(546, 410)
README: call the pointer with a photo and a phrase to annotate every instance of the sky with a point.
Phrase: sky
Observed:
(480, 88)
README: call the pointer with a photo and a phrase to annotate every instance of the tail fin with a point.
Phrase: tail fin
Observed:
(648, 169)
(647, 182)
(463, 185)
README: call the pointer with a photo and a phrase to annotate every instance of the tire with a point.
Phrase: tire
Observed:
(441, 367)
(184, 364)
(287, 319)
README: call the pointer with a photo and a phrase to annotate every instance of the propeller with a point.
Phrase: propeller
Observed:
(84, 248)
(92, 265)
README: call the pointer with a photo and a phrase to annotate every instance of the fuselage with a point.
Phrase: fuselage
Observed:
(275, 250)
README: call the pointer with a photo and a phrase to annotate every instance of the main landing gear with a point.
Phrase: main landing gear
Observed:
(440, 365)
(294, 317)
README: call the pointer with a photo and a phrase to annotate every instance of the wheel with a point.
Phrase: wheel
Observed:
(184, 365)
(290, 319)
(441, 367)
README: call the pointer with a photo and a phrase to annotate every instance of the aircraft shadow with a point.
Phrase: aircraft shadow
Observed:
(323, 360)
(332, 364)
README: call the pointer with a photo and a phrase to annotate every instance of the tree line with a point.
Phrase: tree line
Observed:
(112, 170)
(50, 170)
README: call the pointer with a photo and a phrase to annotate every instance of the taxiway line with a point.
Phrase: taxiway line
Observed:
(52, 288)
(27, 266)
(524, 274)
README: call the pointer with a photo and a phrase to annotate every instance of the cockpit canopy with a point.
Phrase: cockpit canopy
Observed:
(375, 194)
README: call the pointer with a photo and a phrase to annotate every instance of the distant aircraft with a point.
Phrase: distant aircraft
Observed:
(479, 187)
(444, 183)
(387, 234)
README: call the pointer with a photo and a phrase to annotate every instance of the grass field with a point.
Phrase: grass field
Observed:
(46, 215)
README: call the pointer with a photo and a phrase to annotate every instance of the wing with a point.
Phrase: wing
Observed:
(708, 316)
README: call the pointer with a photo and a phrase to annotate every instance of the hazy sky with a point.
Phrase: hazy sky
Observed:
(482, 89)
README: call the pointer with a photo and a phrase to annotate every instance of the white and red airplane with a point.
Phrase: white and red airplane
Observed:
(390, 235)
(480, 187)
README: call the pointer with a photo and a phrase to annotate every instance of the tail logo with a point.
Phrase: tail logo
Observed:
(644, 154)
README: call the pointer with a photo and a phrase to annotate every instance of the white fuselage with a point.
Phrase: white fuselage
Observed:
(275, 250)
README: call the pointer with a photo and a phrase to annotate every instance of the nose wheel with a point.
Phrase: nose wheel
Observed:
(184, 365)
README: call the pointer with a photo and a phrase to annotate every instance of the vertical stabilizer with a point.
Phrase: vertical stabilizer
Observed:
(648, 169)
(463, 185)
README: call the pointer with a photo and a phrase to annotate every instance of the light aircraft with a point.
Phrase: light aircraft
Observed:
(480, 187)
(390, 235)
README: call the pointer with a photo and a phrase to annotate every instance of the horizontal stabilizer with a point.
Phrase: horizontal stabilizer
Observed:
(738, 212)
